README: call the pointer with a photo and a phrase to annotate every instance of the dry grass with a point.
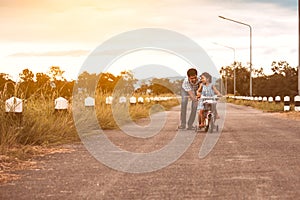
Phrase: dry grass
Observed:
(41, 131)
(289, 115)
(262, 105)
(276, 108)
(108, 115)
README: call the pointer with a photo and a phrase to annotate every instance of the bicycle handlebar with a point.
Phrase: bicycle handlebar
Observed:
(210, 98)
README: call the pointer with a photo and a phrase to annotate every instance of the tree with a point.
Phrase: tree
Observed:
(42, 79)
(107, 82)
(61, 87)
(284, 79)
(87, 81)
(55, 73)
(124, 83)
(26, 75)
(242, 78)
(162, 86)
(227, 77)
(127, 81)
(43, 85)
(27, 85)
(7, 86)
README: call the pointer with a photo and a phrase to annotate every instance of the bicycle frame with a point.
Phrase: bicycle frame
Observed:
(210, 104)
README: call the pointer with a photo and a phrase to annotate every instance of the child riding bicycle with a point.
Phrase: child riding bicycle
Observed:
(206, 89)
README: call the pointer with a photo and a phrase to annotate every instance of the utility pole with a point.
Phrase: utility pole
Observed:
(298, 49)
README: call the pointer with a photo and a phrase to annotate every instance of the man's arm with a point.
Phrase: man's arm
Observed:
(192, 95)
(187, 87)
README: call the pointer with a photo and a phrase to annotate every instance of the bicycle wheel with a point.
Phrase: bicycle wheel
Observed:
(211, 125)
(207, 121)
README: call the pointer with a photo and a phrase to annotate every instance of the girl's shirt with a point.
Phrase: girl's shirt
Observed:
(207, 90)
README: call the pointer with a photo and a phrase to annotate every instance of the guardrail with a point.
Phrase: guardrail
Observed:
(286, 101)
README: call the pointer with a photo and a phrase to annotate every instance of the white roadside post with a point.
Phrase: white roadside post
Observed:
(141, 100)
(286, 100)
(297, 103)
(61, 105)
(109, 100)
(132, 100)
(122, 100)
(89, 102)
(265, 99)
(270, 99)
(14, 108)
(147, 99)
(277, 99)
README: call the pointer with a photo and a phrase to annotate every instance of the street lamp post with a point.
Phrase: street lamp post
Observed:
(234, 74)
(250, 47)
(298, 49)
(225, 74)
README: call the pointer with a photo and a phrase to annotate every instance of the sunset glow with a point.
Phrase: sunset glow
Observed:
(40, 34)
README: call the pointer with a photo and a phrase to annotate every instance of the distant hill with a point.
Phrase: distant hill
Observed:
(144, 74)
(147, 80)
(154, 70)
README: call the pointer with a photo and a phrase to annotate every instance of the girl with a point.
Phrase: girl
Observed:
(206, 89)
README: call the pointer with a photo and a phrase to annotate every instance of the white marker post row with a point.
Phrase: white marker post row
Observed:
(135, 100)
(286, 100)
(15, 105)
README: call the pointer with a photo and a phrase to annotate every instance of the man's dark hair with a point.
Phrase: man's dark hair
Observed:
(192, 72)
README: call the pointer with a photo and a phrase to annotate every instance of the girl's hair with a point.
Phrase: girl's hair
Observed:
(207, 76)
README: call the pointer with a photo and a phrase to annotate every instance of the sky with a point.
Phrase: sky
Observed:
(38, 34)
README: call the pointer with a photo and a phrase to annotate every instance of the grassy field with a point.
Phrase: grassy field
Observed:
(40, 130)
(262, 105)
(276, 108)
(40, 125)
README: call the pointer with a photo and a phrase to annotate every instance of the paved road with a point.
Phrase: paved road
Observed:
(257, 156)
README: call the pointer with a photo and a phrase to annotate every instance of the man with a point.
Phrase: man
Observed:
(188, 89)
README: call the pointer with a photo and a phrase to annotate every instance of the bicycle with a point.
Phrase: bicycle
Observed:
(210, 104)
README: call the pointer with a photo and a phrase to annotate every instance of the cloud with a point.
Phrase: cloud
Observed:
(286, 3)
(92, 21)
(84, 24)
(269, 51)
(72, 53)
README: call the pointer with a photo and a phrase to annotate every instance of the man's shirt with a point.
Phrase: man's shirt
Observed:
(188, 86)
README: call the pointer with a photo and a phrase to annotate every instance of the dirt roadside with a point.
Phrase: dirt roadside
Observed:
(256, 158)
(8, 165)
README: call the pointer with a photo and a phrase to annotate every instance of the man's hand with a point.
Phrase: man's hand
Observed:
(198, 95)
(192, 95)
(195, 101)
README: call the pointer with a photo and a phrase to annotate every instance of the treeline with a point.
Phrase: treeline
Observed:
(53, 84)
(283, 81)
(39, 85)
